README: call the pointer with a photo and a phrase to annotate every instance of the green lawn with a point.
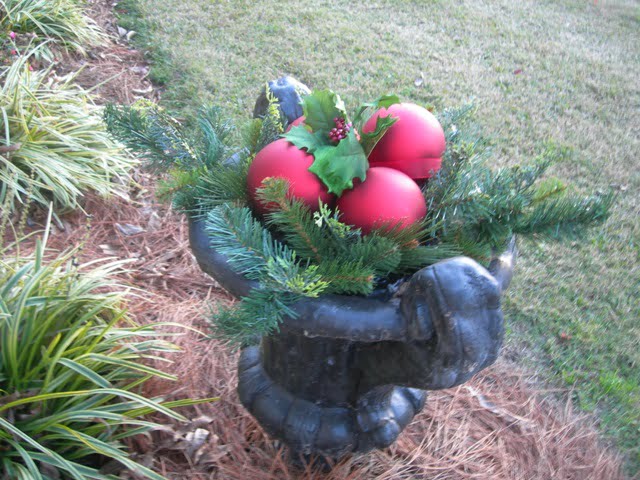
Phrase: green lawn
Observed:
(539, 71)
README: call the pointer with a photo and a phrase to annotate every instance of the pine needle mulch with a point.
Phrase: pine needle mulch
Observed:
(497, 426)
(116, 72)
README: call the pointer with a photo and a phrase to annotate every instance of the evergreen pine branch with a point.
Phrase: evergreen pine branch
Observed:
(420, 256)
(547, 189)
(270, 132)
(174, 186)
(470, 244)
(457, 122)
(407, 235)
(251, 133)
(382, 255)
(262, 131)
(377, 251)
(414, 254)
(214, 136)
(149, 132)
(479, 208)
(202, 172)
(464, 144)
(251, 251)
(248, 246)
(328, 221)
(289, 276)
(564, 216)
(294, 220)
(257, 314)
(347, 277)
(225, 183)
(320, 237)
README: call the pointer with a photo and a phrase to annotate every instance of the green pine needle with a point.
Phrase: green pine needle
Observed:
(257, 314)
(147, 130)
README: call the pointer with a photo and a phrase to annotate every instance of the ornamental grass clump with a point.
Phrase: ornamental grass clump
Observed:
(71, 368)
(60, 22)
(53, 144)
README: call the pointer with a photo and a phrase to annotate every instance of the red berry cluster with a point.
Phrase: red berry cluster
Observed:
(341, 129)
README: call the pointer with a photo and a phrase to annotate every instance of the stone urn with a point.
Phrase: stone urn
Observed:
(350, 373)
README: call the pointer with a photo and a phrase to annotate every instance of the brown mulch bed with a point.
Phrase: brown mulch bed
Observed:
(116, 72)
(498, 426)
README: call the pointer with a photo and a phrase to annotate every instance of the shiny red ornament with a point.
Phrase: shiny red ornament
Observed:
(281, 159)
(414, 144)
(387, 197)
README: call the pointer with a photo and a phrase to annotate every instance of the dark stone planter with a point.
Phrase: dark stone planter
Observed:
(350, 373)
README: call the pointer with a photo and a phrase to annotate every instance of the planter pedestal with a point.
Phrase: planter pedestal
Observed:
(304, 391)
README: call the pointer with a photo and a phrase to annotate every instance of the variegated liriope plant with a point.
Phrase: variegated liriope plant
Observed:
(53, 144)
(72, 365)
(61, 23)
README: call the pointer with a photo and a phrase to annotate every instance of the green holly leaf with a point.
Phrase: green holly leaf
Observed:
(320, 108)
(369, 140)
(338, 166)
(303, 138)
(384, 101)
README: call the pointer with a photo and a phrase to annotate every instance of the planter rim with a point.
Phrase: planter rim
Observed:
(346, 317)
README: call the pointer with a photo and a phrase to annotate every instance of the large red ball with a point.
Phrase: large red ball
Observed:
(387, 197)
(281, 159)
(414, 144)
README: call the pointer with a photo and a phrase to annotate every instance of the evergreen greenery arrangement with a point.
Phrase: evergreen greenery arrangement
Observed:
(299, 248)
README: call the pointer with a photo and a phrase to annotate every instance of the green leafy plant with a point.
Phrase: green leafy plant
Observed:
(71, 366)
(53, 144)
(61, 22)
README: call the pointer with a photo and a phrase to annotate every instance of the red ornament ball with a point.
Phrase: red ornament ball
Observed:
(281, 159)
(387, 197)
(414, 144)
